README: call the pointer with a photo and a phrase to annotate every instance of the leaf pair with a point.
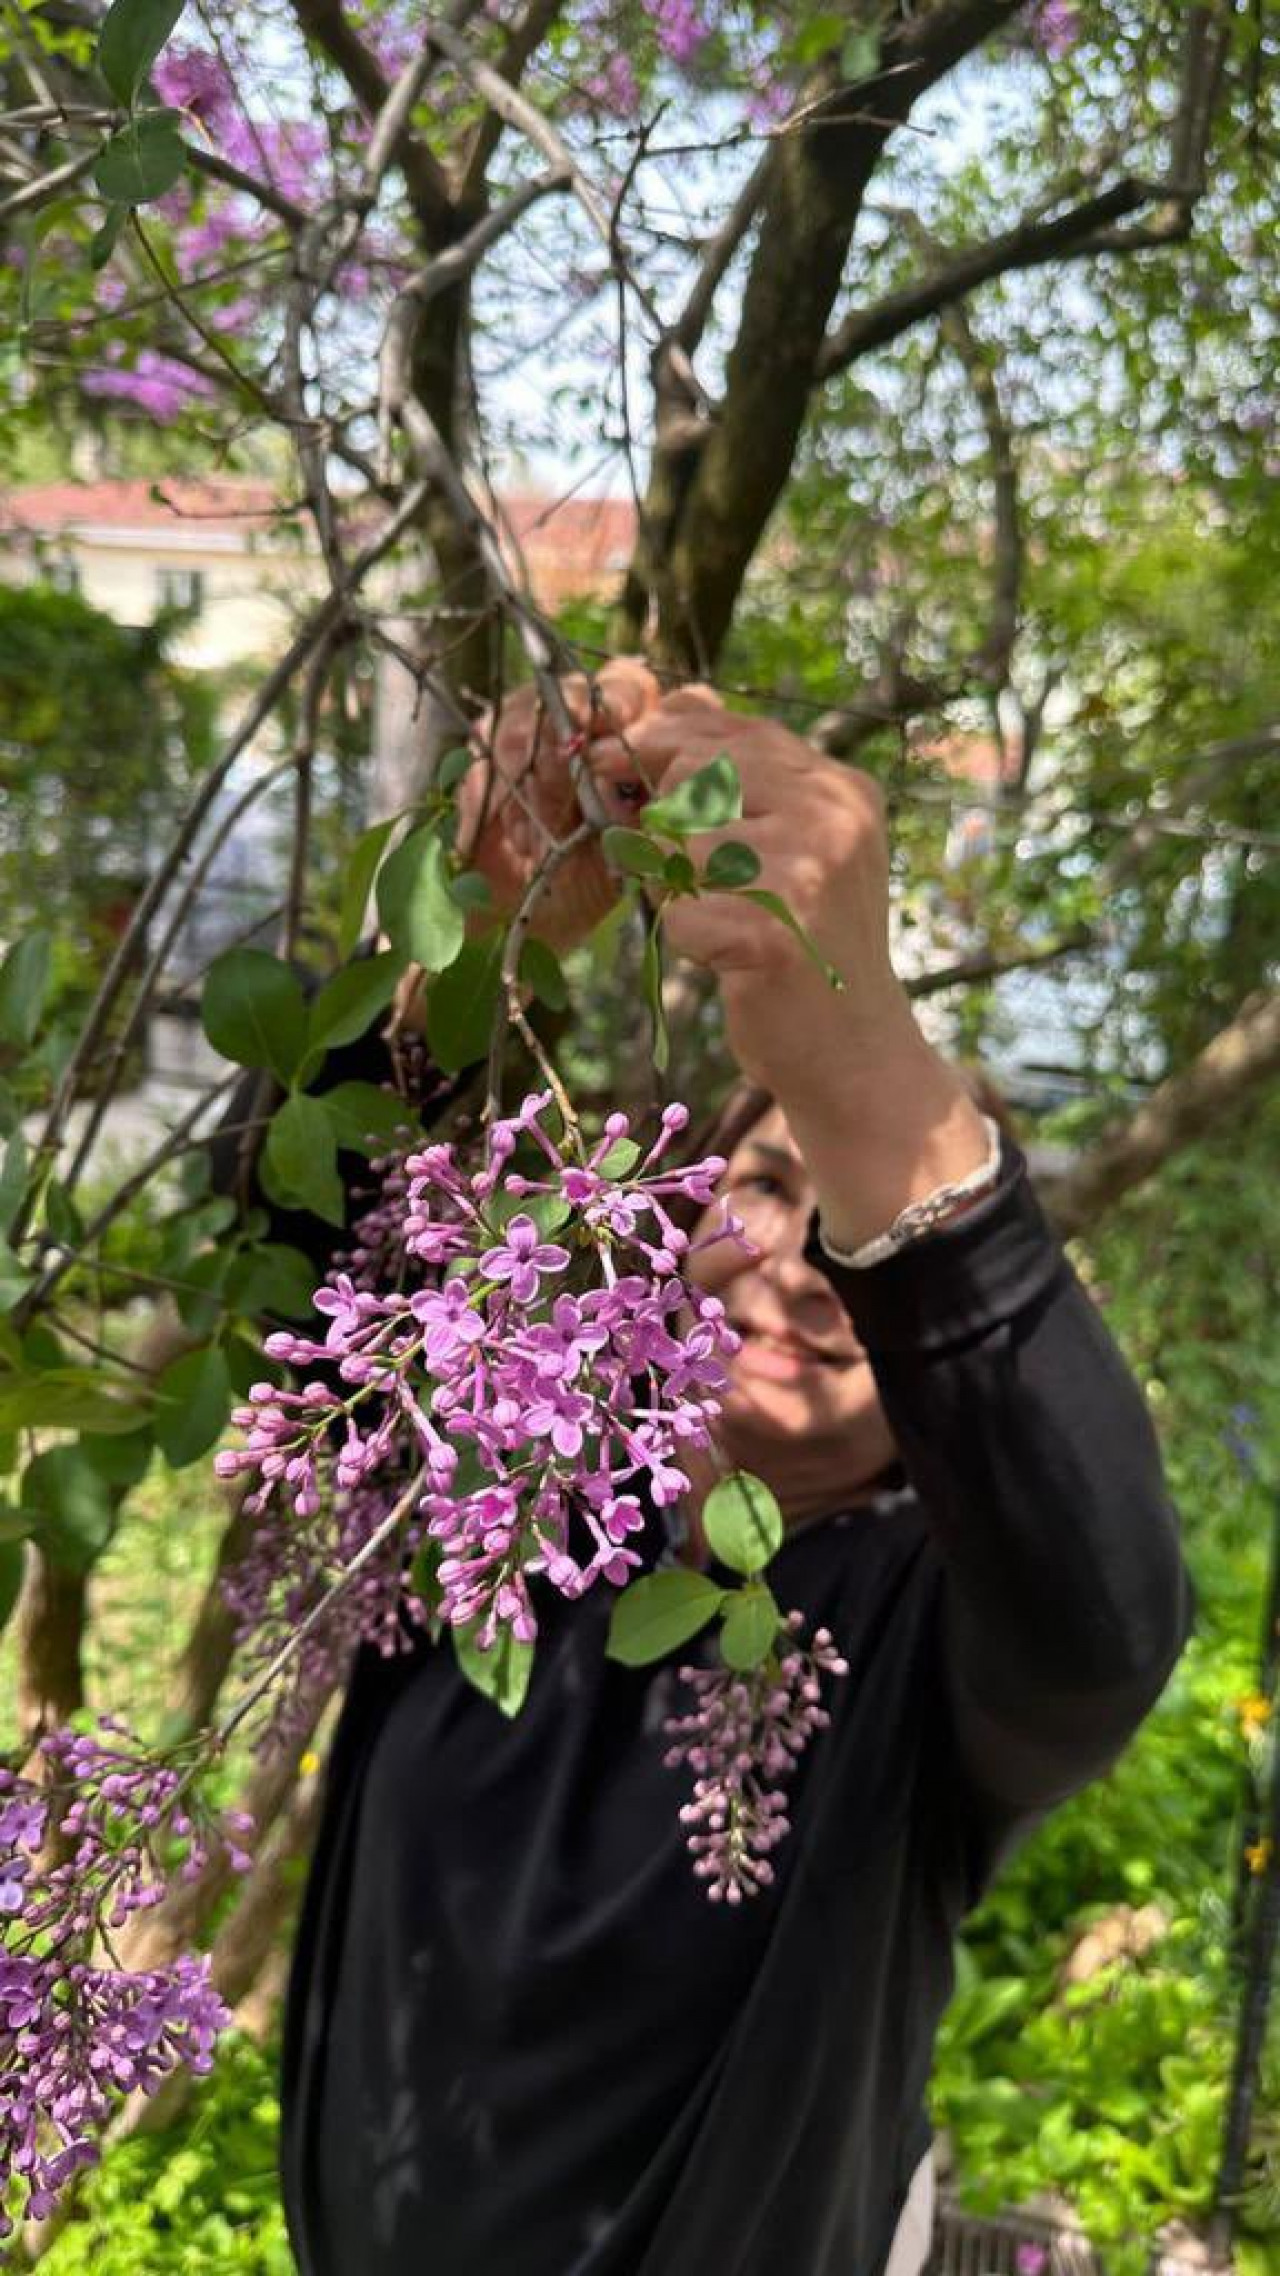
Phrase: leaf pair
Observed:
(708, 800)
(654, 1616)
(147, 156)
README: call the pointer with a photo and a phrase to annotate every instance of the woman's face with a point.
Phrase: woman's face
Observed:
(803, 1410)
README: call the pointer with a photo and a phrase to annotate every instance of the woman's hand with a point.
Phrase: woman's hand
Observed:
(817, 828)
(880, 1118)
(519, 795)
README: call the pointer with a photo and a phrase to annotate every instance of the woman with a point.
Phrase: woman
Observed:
(520, 2040)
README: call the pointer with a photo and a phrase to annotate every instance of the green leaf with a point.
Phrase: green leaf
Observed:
(24, 984)
(63, 1398)
(193, 1400)
(103, 242)
(121, 1461)
(471, 889)
(540, 970)
(860, 55)
(253, 1011)
(199, 1300)
(655, 1615)
(651, 981)
(418, 911)
(620, 1160)
(704, 801)
(452, 768)
(15, 1278)
(751, 1623)
(357, 885)
(742, 1522)
(133, 33)
(730, 866)
(13, 1561)
(61, 1216)
(462, 1004)
(275, 1279)
(502, 1673)
(364, 1119)
(777, 907)
(13, 1179)
(143, 161)
(548, 1211)
(632, 853)
(246, 1365)
(299, 1160)
(347, 1005)
(16, 1523)
(424, 1577)
(679, 874)
(73, 1507)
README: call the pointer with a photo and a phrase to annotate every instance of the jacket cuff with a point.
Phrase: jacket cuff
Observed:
(955, 1284)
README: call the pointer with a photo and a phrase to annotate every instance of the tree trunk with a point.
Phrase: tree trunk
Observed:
(52, 1614)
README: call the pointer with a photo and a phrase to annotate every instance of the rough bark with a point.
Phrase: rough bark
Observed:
(51, 1620)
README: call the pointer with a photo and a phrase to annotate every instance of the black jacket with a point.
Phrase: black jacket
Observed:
(521, 2042)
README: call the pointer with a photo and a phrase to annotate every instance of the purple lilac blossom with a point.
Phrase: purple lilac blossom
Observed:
(679, 26)
(156, 383)
(193, 79)
(1055, 28)
(742, 1740)
(570, 1370)
(79, 1857)
(616, 88)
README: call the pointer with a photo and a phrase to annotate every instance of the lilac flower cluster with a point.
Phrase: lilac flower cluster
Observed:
(284, 1578)
(680, 27)
(534, 1383)
(742, 1740)
(1055, 28)
(79, 1853)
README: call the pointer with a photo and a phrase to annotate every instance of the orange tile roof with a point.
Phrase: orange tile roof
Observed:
(220, 502)
(570, 546)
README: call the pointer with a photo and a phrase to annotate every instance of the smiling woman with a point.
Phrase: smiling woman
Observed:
(516, 2024)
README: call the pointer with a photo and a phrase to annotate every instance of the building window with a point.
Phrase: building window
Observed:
(63, 575)
(181, 589)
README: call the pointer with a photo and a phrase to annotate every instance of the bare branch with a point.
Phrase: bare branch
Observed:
(255, 186)
(325, 22)
(1220, 1080)
(316, 628)
(692, 321)
(1085, 231)
(522, 42)
(45, 186)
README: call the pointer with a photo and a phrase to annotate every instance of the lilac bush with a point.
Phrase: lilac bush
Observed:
(91, 1834)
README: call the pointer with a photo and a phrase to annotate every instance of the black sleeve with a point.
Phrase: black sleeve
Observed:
(1023, 1433)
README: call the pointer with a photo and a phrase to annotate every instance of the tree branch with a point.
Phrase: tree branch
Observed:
(1086, 230)
(1189, 1105)
(717, 508)
(521, 44)
(324, 22)
(1030, 244)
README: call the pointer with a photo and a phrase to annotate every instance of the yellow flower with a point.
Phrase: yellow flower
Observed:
(308, 1765)
(1258, 1856)
(1254, 1711)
